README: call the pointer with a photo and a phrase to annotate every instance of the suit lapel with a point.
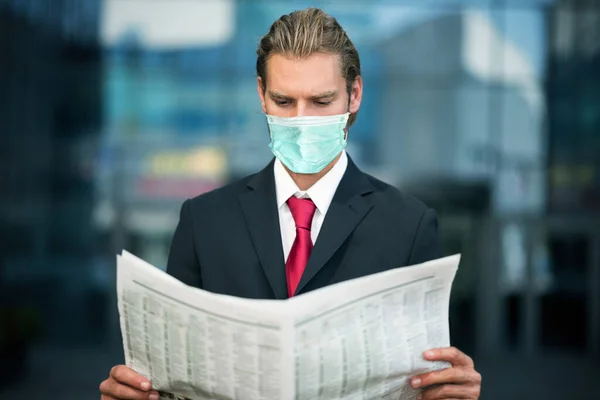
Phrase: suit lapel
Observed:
(347, 209)
(259, 206)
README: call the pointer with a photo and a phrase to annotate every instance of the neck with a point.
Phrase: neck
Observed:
(306, 181)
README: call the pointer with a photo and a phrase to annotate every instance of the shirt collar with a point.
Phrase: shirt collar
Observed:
(321, 193)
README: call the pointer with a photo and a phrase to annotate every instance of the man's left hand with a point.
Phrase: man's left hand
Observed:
(461, 381)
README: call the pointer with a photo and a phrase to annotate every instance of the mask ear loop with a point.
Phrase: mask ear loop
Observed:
(347, 127)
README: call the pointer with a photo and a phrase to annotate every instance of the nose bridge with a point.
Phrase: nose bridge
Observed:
(301, 108)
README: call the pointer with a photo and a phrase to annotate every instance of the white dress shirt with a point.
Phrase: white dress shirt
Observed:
(321, 193)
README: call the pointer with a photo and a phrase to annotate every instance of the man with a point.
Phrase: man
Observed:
(311, 218)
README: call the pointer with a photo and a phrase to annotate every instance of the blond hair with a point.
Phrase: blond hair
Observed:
(302, 33)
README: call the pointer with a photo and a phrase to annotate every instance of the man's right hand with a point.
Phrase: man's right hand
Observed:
(125, 384)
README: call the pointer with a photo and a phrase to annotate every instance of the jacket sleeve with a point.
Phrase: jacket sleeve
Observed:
(426, 244)
(183, 263)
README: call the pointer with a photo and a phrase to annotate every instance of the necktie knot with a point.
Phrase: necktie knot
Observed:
(303, 211)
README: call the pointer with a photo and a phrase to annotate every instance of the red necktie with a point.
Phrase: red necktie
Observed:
(302, 211)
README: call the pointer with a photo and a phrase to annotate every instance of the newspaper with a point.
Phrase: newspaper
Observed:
(359, 339)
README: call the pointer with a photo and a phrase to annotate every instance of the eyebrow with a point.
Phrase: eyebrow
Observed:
(279, 96)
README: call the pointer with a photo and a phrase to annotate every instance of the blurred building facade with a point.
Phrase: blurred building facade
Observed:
(462, 102)
(570, 311)
(574, 107)
(50, 119)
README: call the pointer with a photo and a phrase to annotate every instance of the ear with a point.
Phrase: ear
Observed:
(261, 94)
(356, 95)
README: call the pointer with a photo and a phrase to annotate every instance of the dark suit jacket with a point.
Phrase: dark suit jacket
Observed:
(228, 240)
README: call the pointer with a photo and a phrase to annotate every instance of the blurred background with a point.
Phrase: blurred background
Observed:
(115, 111)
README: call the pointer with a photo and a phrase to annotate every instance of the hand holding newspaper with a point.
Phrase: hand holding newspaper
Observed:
(359, 339)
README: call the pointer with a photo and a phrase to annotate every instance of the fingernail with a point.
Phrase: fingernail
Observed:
(154, 396)
(429, 354)
(416, 382)
(145, 385)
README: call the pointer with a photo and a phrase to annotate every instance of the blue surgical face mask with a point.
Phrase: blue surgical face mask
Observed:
(306, 145)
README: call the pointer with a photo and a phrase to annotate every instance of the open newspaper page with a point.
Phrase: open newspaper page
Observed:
(360, 339)
(364, 339)
(197, 345)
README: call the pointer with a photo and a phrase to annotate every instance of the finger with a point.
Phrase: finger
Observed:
(446, 376)
(449, 392)
(129, 377)
(104, 397)
(113, 389)
(450, 354)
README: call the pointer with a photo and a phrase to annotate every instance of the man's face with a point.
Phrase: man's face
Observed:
(307, 87)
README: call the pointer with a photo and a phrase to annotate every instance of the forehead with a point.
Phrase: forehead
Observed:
(314, 74)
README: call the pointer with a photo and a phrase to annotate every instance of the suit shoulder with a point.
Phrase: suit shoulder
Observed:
(389, 193)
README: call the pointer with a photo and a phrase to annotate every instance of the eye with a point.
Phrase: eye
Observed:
(282, 103)
(322, 103)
